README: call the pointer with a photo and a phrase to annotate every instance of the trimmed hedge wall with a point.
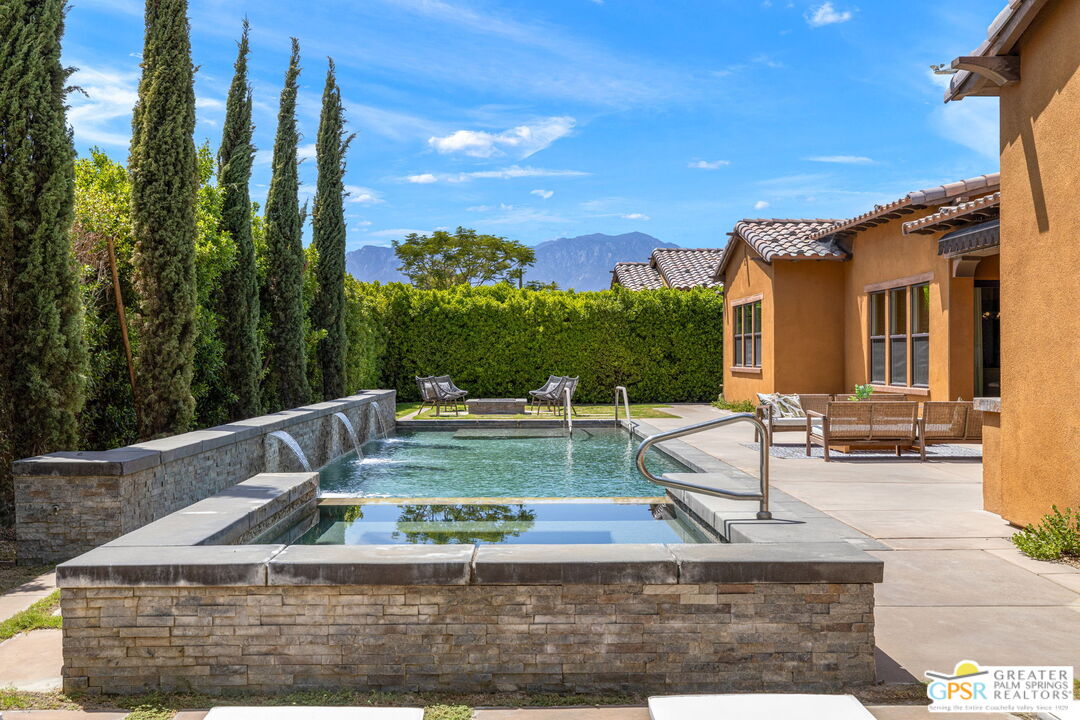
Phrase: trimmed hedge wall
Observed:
(498, 341)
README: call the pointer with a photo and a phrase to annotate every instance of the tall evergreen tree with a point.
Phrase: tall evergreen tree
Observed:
(287, 376)
(42, 352)
(328, 233)
(238, 299)
(164, 175)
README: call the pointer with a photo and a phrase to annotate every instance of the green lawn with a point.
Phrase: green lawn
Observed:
(641, 410)
(38, 616)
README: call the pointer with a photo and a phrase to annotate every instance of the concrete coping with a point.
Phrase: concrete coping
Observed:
(144, 455)
(988, 404)
(655, 564)
(223, 518)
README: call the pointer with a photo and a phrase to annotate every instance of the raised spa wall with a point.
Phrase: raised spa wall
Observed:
(67, 503)
(176, 606)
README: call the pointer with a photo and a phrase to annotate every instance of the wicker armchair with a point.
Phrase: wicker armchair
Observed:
(864, 423)
(779, 423)
(542, 393)
(949, 422)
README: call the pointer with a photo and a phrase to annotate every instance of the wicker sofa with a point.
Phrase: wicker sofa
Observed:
(809, 402)
(949, 422)
(863, 423)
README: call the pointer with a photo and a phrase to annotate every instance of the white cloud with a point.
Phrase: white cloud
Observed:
(826, 14)
(397, 233)
(524, 216)
(546, 194)
(103, 115)
(521, 141)
(972, 123)
(507, 173)
(760, 205)
(708, 164)
(363, 195)
(842, 159)
(357, 224)
(479, 208)
(635, 216)
(306, 152)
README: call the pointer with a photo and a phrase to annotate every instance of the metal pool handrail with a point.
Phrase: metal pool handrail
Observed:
(626, 404)
(567, 410)
(763, 462)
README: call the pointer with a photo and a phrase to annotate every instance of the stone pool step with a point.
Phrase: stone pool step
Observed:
(757, 707)
(322, 713)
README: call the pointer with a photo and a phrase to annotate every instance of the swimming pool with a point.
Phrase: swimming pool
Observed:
(588, 523)
(491, 462)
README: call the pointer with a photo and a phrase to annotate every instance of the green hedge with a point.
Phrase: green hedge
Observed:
(664, 345)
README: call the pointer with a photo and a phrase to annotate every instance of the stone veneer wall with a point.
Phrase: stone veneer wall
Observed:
(578, 637)
(70, 502)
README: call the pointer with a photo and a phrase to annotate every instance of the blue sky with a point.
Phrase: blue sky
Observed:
(536, 120)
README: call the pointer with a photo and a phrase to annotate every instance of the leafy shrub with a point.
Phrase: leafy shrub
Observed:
(862, 392)
(739, 406)
(1056, 535)
(499, 341)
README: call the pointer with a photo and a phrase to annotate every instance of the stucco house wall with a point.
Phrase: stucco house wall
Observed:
(1040, 270)
(744, 279)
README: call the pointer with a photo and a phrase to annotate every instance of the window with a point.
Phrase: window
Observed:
(900, 336)
(920, 335)
(898, 339)
(877, 337)
(747, 334)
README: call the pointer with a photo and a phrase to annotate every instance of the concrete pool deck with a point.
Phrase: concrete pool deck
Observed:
(955, 587)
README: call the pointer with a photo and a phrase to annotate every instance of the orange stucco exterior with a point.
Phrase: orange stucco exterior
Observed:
(815, 315)
(1039, 460)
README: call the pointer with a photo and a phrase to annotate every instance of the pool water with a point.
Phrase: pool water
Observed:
(509, 462)
(515, 524)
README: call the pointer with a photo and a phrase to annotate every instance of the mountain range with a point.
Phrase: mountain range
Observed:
(581, 263)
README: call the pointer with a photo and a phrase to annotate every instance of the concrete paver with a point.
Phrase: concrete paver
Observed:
(20, 598)
(32, 661)
(962, 578)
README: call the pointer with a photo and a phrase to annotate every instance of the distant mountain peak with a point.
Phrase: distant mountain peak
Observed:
(582, 263)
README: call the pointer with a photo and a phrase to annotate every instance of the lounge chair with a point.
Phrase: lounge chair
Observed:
(556, 396)
(863, 423)
(787, 412)
(440, 391)
(541, 394)
(949, 422)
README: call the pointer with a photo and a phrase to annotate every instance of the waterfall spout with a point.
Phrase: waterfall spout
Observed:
(344, 420)
(374, 409)
(290, 442)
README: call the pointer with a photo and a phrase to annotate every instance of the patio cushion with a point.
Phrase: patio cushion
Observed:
(790, 422)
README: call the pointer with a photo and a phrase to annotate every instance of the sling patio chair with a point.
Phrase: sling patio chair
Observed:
(440, 392)
(540, 394)
(556, 396)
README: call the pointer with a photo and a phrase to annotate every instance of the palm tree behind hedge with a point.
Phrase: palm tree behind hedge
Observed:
(42, 353)
(164, 179)
(238, 297)
(328, 233)
(287, 384)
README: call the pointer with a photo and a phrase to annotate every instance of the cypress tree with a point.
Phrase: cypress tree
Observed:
(164, 175)
(42, 351)
(287, 376)
(238, 299)
(328, 233)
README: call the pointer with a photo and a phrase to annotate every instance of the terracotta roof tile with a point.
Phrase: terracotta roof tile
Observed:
(636, 276)
(907, 204)
(783, 238)
(685, 268)
(949, 216)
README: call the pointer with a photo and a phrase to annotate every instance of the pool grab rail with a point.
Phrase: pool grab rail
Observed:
(762, 496)
(626, 404)
(567, 410)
